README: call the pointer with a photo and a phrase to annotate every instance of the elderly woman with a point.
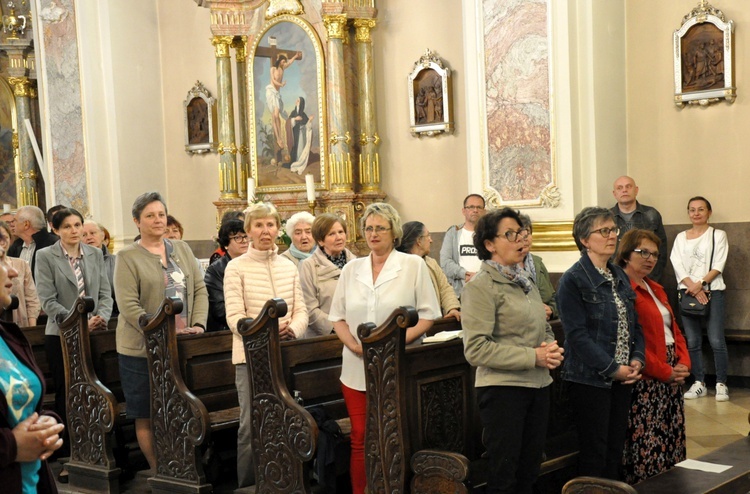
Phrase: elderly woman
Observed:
(508, 339)
(147, 271)
(656, 428)
(698, 257)
(250, 280)
(28, 434)
(234, 241)
(299, 229)
(319, 273)
(538, 271)
(604, 348)
(24, 288)
(417, 241)
(97, 236)
(369, 289)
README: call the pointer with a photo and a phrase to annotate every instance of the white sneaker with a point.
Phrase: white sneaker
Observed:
(722, 392)
(698, 390)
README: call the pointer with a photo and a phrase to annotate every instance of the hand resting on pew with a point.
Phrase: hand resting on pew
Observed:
(97, 323)
(182, 328)
(285, 332)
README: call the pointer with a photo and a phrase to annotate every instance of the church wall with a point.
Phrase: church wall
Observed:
(673, 153)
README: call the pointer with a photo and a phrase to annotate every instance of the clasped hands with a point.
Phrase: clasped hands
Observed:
(679, 373)
(695, 288)
(37, 437)
(628, 374)
(549, 355)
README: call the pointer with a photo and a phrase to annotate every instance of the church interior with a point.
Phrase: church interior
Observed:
(539, 105)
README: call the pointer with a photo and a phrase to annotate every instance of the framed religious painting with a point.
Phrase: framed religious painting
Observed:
(430, 97)
(704, 58)
(200, 120)
(10, 164)
(287, 116)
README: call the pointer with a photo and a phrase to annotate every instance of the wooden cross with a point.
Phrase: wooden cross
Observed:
(272, 52)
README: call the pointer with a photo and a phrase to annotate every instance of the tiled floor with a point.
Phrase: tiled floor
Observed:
(711, 425)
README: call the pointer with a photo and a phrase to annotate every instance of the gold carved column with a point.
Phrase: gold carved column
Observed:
(369, 160)
(240, 52)
(27, 187)
(340, 164)
(227, 148)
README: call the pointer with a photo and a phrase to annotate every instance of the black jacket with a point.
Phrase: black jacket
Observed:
(214, 279)
(42, 239)
(645, 218)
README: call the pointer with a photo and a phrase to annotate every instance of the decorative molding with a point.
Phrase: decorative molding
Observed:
(240, 48)
(364, 28)
(281, 7)
(335, 26)
(20, 86)
(221, 45)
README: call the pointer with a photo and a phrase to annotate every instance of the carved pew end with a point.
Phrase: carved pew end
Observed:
(437, 471)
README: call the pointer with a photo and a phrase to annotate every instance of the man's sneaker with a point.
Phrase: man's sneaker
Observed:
(698, 390)
(722, 392)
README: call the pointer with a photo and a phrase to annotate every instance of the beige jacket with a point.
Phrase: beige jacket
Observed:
(318, 277)
(25, 290)
(252, 279)
(445, 293)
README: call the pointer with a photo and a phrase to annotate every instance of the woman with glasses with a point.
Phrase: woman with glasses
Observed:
(656, 427)
(319, 274)
(234, 241)
(417, 241)
(698, 257)
(604, 347)
(369, 290)
(250, 280)
(24, 288)
(507, 337)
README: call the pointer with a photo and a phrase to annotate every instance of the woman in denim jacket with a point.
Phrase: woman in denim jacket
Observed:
(604, 345)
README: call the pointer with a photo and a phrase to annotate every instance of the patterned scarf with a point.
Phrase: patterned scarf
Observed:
(339, 261)
(528, 265)
(515, 274)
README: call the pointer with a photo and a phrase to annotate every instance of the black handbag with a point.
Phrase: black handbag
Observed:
(689, 305)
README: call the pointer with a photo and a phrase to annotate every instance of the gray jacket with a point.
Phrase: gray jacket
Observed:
(450, 259)
(646, 218)
(57, 286)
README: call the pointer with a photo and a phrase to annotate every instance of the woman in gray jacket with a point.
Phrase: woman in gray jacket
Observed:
(508, 339)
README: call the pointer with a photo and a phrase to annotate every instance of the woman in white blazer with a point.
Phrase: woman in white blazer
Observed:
(369, 289)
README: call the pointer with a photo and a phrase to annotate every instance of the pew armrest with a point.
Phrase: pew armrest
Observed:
(438, 471)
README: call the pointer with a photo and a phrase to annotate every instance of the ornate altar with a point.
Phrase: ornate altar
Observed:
(300, 69)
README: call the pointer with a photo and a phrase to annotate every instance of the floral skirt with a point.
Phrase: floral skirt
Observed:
(656, 428)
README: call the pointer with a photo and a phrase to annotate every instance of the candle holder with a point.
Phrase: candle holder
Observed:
(311, 204)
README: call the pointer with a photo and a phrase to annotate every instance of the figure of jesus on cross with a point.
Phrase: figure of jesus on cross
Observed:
(280, 61)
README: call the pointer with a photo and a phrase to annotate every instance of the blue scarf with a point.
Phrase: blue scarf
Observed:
(298, 254)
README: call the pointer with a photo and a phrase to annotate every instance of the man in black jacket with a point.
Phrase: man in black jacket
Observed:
(31, 230)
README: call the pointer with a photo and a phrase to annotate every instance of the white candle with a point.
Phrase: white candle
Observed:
(250, 190)
(310, 183)
(6, 208)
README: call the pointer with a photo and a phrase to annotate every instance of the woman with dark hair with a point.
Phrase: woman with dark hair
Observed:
(417, 241)
(234, 240)
(28, 434)
(656, 427)
(65, 271)
(604, 347)
(174, 228)
(228, 215)
(507, 337)
(319, 274)
(698, 257)
(148, 270)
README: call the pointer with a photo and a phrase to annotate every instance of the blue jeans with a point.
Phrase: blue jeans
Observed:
(715, 328)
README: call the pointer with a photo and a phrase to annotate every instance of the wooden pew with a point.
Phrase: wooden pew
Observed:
(284, 434)
(179, 420)
(388, 445)
(91, 408)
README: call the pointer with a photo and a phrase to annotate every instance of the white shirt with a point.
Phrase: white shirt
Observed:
(404, 280)
(467, 253)
(691, 258)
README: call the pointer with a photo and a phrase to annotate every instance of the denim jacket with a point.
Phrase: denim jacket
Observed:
(589, 318)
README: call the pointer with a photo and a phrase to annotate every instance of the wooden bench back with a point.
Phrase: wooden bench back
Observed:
(179, 420)
(284, 434)
(91, 407)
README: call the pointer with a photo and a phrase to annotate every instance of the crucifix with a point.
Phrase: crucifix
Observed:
(280, 60)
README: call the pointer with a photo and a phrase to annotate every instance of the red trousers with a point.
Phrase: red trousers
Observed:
(356, 404)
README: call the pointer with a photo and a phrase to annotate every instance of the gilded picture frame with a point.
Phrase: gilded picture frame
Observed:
(287, 106)
(200, 120)
(704, 58)
(430, 97)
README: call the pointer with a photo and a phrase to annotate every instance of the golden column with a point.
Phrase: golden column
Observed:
(369, 160)
(227, 148)
(340, 164)
(27, 188)
(240, 52)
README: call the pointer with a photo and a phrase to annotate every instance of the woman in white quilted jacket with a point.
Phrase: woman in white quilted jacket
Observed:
(250, 280)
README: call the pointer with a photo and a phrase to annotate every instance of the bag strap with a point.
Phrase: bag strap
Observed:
(713, 247)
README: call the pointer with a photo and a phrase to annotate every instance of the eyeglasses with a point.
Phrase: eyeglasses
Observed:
(240, 239)
(606, 231)
(647, 253)
(474, 208)
(377, 229)
(513, 236)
